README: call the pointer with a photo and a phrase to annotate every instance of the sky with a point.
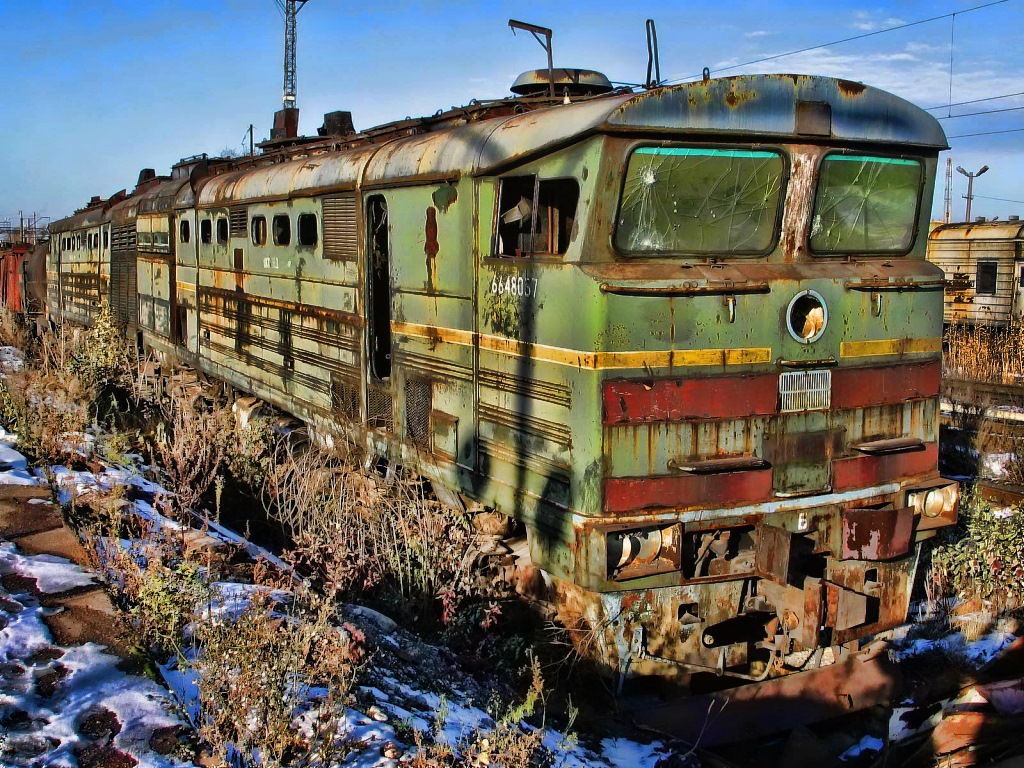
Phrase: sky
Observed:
(92, 92)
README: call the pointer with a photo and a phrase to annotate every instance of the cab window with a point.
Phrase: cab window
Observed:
(535, 216)
(700, 201)
(865, 204)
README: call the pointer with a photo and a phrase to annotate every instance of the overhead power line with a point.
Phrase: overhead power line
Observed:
(1000, 199)
(975, 114)
(986, 133)
(974, 101)
(844, 40)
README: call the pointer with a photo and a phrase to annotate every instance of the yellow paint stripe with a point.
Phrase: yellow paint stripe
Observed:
(591, 360)
(883, 347)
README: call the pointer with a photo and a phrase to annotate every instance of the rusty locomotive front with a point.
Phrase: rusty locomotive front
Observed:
(686, 337)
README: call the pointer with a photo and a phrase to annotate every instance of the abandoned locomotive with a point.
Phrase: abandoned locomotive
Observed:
(686, 336)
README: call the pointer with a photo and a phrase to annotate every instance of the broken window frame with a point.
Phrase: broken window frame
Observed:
(184, 231)
(759, 151)
(849, 156)
(566, 223)
(987, 284)
(308, 235)
(282, 235)
(258, 229)
(206, 231)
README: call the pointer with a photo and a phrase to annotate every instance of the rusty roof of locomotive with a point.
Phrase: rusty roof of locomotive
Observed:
(489, 137)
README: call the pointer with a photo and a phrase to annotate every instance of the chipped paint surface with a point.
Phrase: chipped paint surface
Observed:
(468, 294)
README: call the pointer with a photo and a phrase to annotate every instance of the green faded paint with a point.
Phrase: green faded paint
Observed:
(499, 364)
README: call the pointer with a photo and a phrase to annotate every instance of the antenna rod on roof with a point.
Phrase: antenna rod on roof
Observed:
(652, 56)
(545, 43)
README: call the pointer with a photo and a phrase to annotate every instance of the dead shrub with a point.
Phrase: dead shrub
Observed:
(509, 744)
(359, 531)
(189, 445)
(14, 332)
(273, 688)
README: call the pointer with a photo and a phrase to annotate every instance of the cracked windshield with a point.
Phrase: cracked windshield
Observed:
(703, 201)
(865, 204)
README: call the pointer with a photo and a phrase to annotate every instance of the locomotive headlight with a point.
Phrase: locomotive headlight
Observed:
(936, 505)
(636, 552)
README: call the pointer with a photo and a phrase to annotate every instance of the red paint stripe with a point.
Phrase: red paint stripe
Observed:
(733, 397)
(864, 387)
(631, 401)
(628, 494)
(866, 471)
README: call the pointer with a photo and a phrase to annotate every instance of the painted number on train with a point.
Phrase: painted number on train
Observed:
(514, 285)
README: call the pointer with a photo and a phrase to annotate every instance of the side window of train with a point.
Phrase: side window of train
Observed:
(106, 238)
(206, 231)
(985, 284)
(259, 230)
(308, 234)
(184, 231)
(535, 216)
(282, 229)
(222, 230)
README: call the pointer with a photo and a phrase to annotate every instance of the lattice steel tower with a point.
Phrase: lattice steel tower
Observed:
(290, 9)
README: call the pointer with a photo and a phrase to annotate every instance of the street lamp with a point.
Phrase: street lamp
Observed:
(970, 187)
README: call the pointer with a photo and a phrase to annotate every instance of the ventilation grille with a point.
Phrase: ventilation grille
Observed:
(339, 221)
(344, 397)
(123, 238)
(238, 219)
(418, 394)
(805, 391)
(379, 409)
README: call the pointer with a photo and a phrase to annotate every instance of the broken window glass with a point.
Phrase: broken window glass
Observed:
(865, 205)
(985, 285)
(700, 201)
(536, 217)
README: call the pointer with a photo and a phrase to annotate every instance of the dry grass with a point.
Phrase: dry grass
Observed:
(358, 531)
(189, 445)
(273, 687)
(979, 353)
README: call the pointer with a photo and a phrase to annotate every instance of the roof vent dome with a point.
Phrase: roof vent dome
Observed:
(574, 82)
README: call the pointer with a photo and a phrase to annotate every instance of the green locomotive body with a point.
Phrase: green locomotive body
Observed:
(688, 337)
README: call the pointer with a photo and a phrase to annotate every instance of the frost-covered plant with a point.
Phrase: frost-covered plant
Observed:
(165, 601)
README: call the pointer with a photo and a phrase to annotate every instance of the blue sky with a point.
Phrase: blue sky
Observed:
(95, 91)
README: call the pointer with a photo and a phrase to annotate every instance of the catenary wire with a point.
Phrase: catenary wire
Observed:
(838, 42)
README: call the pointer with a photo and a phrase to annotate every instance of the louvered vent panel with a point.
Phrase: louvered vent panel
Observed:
(340, 236)
(805, 391)
(238, 220)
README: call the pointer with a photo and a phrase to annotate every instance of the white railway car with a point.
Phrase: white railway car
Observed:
(983, 263)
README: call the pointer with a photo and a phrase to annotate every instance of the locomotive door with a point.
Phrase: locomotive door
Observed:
(379, 408)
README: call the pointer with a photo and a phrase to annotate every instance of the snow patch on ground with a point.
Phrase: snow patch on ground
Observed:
(11, 359)
(87, 678)
(52, 574)
(867, 744)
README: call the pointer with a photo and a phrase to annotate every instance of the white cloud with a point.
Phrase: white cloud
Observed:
(759, 33)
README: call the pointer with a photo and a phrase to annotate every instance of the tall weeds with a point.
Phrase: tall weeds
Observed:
(358, 531)
(982, 353)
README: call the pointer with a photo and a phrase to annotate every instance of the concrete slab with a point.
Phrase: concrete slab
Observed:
(59, 541)
(91, 617)
(18, 519)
